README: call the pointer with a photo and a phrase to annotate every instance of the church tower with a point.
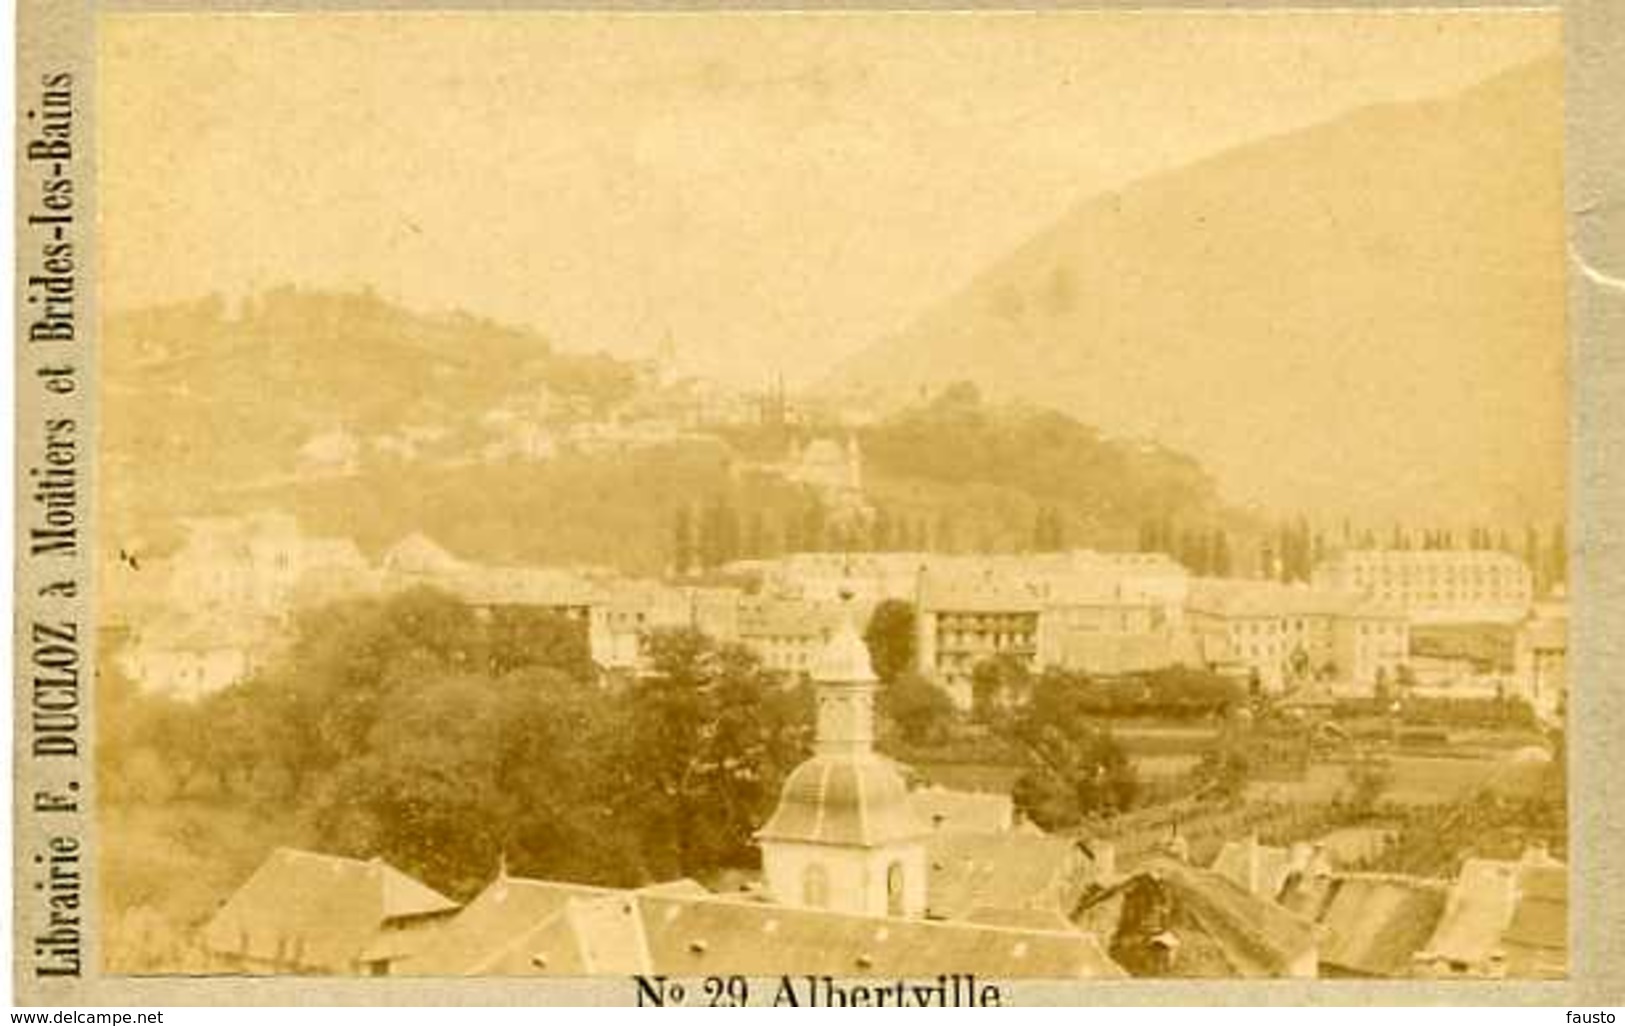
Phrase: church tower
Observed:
(844, 837)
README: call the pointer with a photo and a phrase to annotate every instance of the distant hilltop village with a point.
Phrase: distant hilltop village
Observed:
(1444, 623)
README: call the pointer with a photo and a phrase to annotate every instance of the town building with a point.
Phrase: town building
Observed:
(335, 453)
(963, 812)
(492, 590)
(870, 577)
(187, 658)
(1170, 919)
(787, 635)
(625, 613)
(418, 559)
(1269, 870)
(963, 620)
(223, 604)
(1435, 586)
(1540, 658)
(255, 565)
(1006, 878)
(826, 466)
(1149, 589)
(1112, 636)
(1278, 634)
(1502, 918)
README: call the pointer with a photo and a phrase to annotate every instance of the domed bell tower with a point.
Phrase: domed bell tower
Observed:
(844, 837)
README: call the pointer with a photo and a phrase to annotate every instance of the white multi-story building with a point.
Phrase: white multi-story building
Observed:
(787, 634)
(964, 620)
(869, 577)
(257, 565)
(1435, 586)
(1278, 633)
(228, 599)
(625, 613)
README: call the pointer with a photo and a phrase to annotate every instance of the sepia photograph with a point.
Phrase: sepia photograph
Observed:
(887, 503)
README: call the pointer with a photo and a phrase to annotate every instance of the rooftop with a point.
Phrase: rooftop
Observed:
(316, 911)
(586, 930)
(838, 799)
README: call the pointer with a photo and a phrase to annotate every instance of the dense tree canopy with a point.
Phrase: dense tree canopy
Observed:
(1060, 462)
(922, 712)
(1076, 769)
(445, 742)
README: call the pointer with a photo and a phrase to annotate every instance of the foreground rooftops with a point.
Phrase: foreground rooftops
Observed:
(526, 927)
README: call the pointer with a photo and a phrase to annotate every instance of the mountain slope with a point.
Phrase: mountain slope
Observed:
(1363, 317)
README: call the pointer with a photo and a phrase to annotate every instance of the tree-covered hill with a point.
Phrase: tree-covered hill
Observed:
(373, 422)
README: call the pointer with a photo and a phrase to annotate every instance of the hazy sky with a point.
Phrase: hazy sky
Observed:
(774, 190)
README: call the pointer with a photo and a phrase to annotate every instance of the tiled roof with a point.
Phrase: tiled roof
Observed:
(1257, 868)
(1259, 937)
(316, 911)
(1003, 871)
(495, 924)
(787, 618)
(1376, 924)
(1537, 941)
(1021, 918)
(527, 927)
(522, 586)
(1477, 913)
(1240, 598)
(978, 593)
(950, 811)
(700, 937)
(1351, 846)
(418, 554)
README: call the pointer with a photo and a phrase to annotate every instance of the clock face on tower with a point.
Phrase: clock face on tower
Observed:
(838, 719)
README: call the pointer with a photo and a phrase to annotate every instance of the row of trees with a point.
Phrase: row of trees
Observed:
(1049, 530)
(707, 535)
(1004, 682)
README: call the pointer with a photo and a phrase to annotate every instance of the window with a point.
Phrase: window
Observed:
(815, 886)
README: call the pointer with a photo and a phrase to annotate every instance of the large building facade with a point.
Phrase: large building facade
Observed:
(1435, 586)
